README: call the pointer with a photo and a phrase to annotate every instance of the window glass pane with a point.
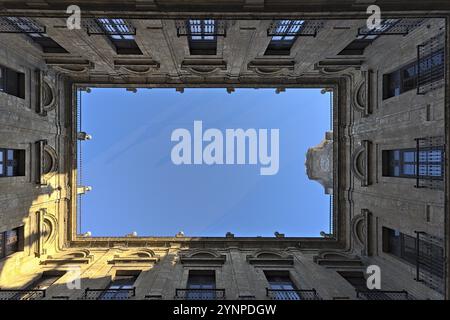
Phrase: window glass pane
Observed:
(11, 242)
(409, 169)
(10, 154)
(9, 171)
(1, 169)
(409, 156)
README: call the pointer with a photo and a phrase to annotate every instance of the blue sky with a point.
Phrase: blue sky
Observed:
(136, 187)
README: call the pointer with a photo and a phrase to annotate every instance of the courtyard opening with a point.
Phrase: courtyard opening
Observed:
(159, 162)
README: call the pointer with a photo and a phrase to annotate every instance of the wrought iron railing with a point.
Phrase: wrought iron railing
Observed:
(200, 294)
(392, 27)
(430, 261)
(109, 26)
(20, 25)
(383, 295)
(295, 28)
(108, 294)
(21, 294)
(201, 27)
(431, 64)
(281, 294)
(430, 162)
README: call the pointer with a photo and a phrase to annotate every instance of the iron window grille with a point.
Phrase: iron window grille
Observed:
(21, 294)
(20, 25)
(200, 294)
(288, 30)
(109, 294)
(430, 261)
(383, 295)
(201, 29)
(430, 162)
(390, 27)
(431, 64)
(114, 27)
(292, 294)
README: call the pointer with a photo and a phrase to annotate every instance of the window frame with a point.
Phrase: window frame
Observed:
(15, 88)
(18, 245)
(17, 163)
(281, 44)
(123, 41)
(204, 42)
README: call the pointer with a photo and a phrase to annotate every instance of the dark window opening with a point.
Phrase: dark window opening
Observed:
(12, 162)
(46, 280)
(286, 33)
(11, 241)
(120, 36)
(202, 37)
(403, 163)
(12, 82)
(201, 285)
(355, 278)
(47, 44)
(356, 47)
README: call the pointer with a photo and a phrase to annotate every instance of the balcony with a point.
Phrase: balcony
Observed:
(22, 294)
(108, 294)
(200, 294)
(281, 294)
(383, 295)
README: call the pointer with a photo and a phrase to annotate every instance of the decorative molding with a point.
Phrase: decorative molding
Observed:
(266, 67)
(362, 94)
(360, 229)
(360, 163)
(270, 258)
(72, 66)
(81, 256)
(140, 256)
(203, 66)
(136, 66)
(337, 260)
(47, 162)
(203, 257)
(334, 67)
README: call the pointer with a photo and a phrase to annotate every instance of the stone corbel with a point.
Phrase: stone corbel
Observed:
(46, 95)
(333, 67)
(72, 66)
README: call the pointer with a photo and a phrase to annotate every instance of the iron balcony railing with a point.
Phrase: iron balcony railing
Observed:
(431, 64)
(281, 294)
(108, 294)
(383, 295)
(392, 27)
(200, 294)
(430, 162)
(430, 261)
(21, 294)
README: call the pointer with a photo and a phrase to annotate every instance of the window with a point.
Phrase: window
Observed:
(400, 245)
(120, 287)
(46, 280)
(12, 82)
(403, 163)
(11, 241)
(286, 32)
(202, 37)
(356, 279)
(357, 47)
(12, 162)
(201, 285)
(281, 286)
(432, 67)
(120, 34)
(400, 81)
(47, 44)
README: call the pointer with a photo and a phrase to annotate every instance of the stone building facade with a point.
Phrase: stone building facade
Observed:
(390, 102)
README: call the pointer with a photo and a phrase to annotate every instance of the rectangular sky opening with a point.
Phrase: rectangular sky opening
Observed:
(146, 177)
